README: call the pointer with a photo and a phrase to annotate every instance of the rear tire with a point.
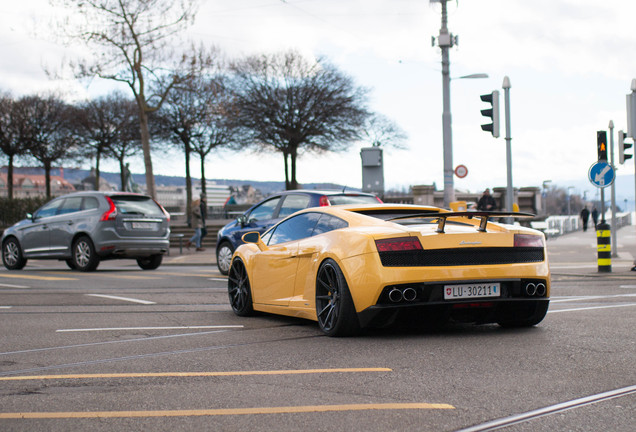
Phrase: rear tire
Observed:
(84, 256)
(150, 263)
(71, 264)
(334, 306)
(12, 257)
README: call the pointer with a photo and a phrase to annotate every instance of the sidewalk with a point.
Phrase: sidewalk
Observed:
(576, 253)
(190, 257)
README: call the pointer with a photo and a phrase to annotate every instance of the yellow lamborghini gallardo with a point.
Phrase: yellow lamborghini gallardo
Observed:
(351, 267)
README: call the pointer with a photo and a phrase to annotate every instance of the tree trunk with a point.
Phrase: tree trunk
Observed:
(122, 174)
(202, 173)
(10, 178)
(145, 144)
(47, 178)
(286, 171)
(294, 183)
(97, 157)
(188, 180)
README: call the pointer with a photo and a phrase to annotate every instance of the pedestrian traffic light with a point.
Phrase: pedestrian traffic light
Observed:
(493, 113)
(601, 144)
(622, 146)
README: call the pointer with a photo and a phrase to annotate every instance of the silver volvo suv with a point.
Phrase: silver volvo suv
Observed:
(85, 228)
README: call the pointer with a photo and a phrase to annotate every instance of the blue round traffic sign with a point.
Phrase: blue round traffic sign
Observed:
(601, 174)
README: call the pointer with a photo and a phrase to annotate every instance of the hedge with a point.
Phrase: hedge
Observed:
(14, 210)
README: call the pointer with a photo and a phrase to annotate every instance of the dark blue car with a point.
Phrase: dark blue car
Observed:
(266, 213)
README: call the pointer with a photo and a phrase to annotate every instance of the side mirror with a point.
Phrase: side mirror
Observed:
(242, 220)
(30, 217)
(254, 237)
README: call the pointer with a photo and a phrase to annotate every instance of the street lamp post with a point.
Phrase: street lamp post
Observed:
(509, 192)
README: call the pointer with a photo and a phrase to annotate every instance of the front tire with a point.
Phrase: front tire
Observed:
(12, 257)
(334, 306)
(239, 290)
(84, 256)
(224, 257)
(150, 263)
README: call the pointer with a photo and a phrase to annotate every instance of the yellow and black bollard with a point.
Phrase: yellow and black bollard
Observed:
(603, 242)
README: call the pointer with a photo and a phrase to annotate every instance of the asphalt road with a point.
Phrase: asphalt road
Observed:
(125, 349)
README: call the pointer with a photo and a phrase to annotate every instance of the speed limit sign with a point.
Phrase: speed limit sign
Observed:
(461, 171)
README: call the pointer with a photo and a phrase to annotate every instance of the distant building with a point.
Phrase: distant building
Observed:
(88, 183)
(33, 185)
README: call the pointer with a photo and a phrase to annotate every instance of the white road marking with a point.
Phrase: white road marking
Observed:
(147, 328)
(218, 279)
(6, 307)
(122, 298)
(592, 308)
(580, 298)
(13, 286)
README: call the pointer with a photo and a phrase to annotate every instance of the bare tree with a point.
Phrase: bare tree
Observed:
(13, 139)
(131, 42)
(102, 123)
(380, 131)
(292, 105)
(49, 132)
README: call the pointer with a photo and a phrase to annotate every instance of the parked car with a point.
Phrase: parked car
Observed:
(351, 267)
(266, 213)
(85, 228)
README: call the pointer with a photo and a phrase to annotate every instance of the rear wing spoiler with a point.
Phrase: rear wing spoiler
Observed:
(482, 215)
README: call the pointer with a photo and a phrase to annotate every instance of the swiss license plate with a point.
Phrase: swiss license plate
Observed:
(143, 225)
(468, 291)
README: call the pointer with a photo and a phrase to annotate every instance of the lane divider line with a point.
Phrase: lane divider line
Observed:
(112, 297)
(14, 286)
(34, 277)
(592, 308)
(148, 328)
(228, 411)
(194, 374)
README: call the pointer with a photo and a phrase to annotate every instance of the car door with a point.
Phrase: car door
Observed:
(61, 226)
(35, 236)
(275, 268)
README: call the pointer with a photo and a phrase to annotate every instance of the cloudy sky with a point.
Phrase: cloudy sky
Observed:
(570, 63)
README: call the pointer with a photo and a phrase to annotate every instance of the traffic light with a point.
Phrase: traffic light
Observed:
(622, 146)
(601, 145)
(493, 113)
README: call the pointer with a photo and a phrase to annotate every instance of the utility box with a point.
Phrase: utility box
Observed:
(372, 170)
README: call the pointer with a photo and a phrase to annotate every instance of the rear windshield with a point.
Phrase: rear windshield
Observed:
(136, 205)
(352, 199)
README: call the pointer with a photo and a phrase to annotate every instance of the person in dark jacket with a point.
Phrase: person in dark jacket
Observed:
(595, 216)
(585, 215)
(486, 202)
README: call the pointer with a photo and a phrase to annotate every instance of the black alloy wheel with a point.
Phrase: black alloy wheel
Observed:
(84, 256)
(238, 289)
(334, 306)
(12, 257)
(150, 263)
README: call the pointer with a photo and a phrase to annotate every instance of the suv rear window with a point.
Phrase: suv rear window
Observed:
(139, 205)
(352, 199)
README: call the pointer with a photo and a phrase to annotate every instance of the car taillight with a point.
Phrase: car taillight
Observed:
(111, 213)
(398, 244)
(324, 201)
(528, 240)
(163, 210)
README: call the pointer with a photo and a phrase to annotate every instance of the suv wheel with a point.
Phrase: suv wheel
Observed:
(150, 263)
(224, 257)
(12, 257)
(84, 256)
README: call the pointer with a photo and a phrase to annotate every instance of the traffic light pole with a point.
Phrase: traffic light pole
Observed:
(613, 189)
(509, 191)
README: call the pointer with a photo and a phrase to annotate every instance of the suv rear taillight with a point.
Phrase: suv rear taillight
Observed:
(324, 201)
(163, 210)
(111, 213)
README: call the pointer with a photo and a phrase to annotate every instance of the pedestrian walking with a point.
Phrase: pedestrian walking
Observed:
(198, 223)
(595, 217)
(585, 215)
